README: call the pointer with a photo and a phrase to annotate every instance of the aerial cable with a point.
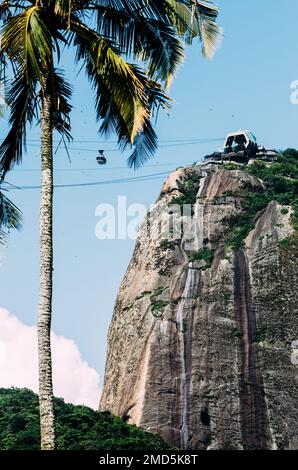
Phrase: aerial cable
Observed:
(98, 183)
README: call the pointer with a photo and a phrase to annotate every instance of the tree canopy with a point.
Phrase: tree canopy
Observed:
(109, 38)
(78, 427)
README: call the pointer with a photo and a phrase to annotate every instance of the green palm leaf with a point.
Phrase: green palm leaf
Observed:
(21, 101)
(149, 41)
(189, 18)
(2, 105)
(107, 70)
(27, 41)
(61, 92)
(124, 96)
(10, 217)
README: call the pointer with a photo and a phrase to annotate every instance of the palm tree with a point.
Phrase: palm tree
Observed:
(106, 35)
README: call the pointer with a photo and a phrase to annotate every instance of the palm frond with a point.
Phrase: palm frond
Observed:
(108, 71)
(143, 39)
(176, 13)
(63, 7)
(2, 103)
(192, 18)
(124, 96)
(27, 41)
(205, 27)
(145, 143)
(61, 92)
(2, 237)
(10, 217)
(108, 35)
(211, 36)
(21, 101)
(5, 13)
(150, 31)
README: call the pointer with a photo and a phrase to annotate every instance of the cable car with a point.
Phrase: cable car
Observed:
(101, 159)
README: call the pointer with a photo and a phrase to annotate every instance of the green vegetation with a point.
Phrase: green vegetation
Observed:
(287, 243)
(225, 295)
(205, 254)
(143, 294)
(281, 178)
(236, 333)
(281, 185)
(158, 291)
(78, 427)
(260, 337)
(231, 166)
(158, 305)
(244, 222)
(176, 301)
(10, 217)
(227, 253)
(188, 186)
(168, 245)
(284, 211)
(263, 336)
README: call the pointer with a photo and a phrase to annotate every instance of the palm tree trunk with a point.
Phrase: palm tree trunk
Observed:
(47, 417)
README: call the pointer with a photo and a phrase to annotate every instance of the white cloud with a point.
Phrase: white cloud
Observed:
(73, 379)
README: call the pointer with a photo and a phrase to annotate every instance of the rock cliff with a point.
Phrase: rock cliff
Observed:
(199, 347)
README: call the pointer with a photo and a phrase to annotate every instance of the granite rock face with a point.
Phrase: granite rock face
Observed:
(199, 347)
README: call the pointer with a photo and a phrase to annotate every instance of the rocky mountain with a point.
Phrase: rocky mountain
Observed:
(199, 347)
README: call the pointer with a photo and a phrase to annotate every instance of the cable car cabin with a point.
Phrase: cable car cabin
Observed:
(241, 141)
(101, 159)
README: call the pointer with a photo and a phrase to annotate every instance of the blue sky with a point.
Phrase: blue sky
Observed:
(247, 85)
